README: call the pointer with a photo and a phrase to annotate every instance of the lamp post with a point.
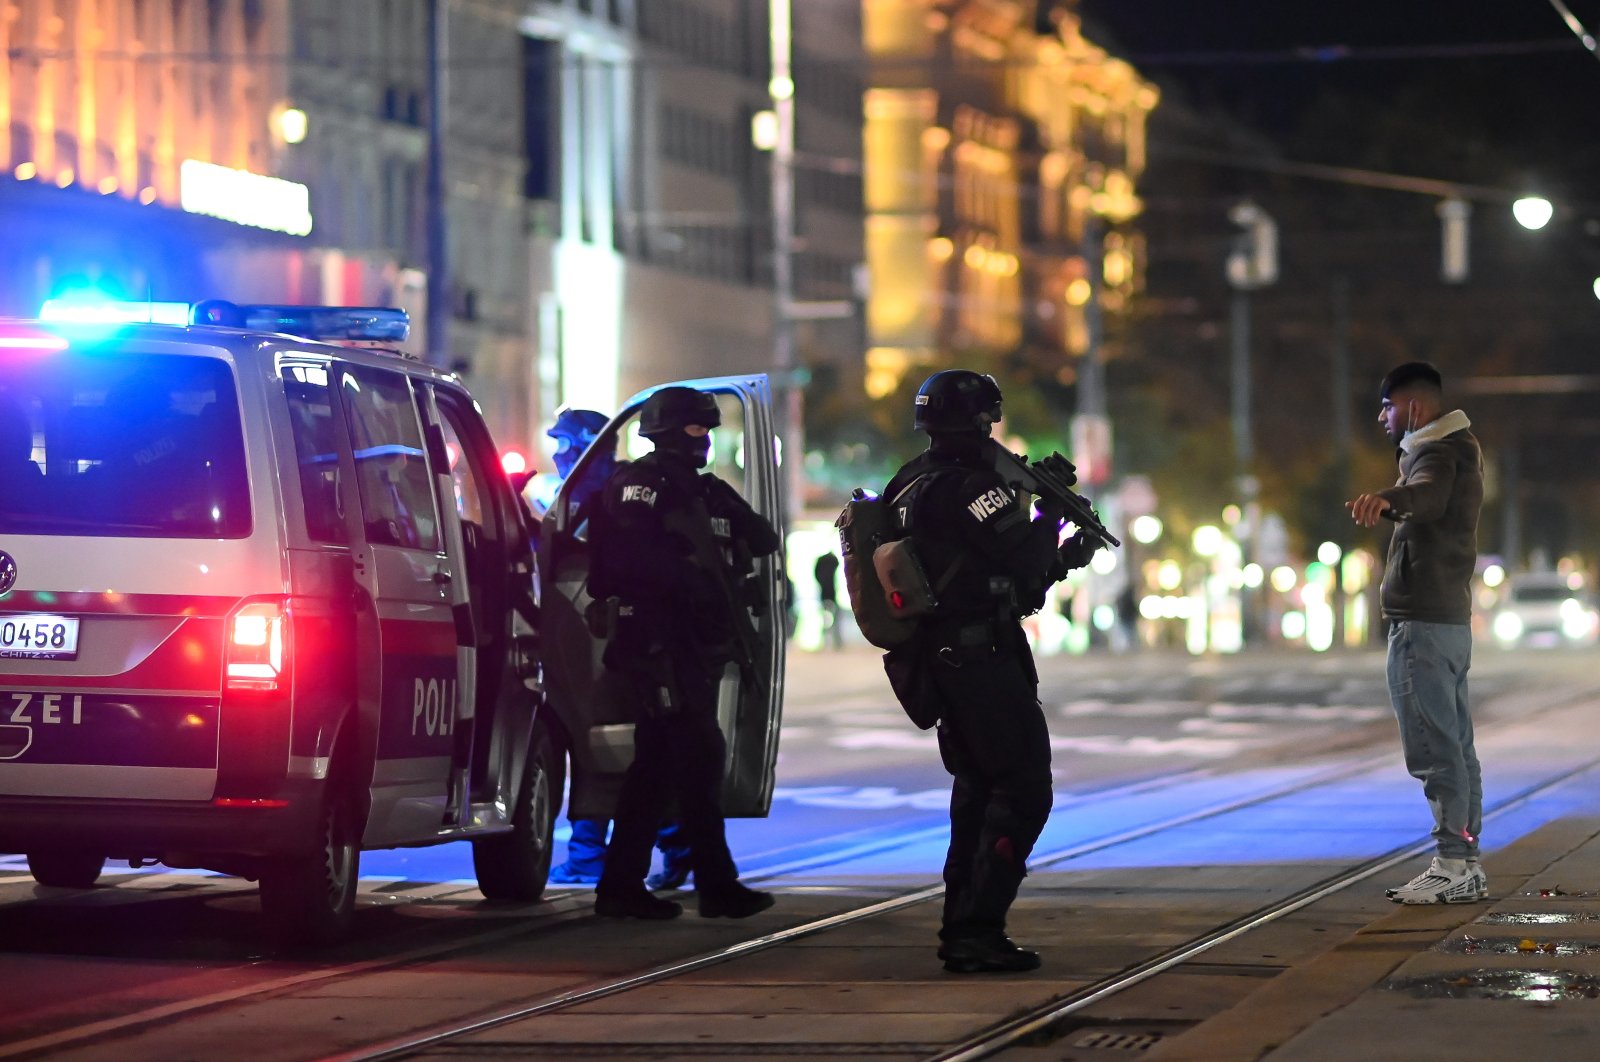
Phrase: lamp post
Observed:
(437, 348)
(791, 411)
(1252, 264)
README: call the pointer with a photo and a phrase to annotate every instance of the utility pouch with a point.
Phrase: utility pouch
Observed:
(904, 582)
(600, 616)
(910, 676)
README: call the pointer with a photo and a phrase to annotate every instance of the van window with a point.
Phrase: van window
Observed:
(311, 415)
(397, 502)
(124, 445)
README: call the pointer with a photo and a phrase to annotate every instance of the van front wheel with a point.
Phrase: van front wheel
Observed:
(516, 865)
(310, 900)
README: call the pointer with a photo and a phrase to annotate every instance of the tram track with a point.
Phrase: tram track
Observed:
(410, 1046)
(571, 908)
(568, 909)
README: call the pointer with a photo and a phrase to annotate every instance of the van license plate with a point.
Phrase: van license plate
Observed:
(39, 637)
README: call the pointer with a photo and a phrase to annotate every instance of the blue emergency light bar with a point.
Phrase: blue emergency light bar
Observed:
(335, 324)
(363, 324)
(105, 311)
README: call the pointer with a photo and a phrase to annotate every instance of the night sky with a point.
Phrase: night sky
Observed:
(1266, 63)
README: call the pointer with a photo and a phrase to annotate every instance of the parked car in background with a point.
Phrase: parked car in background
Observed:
(1546, 609)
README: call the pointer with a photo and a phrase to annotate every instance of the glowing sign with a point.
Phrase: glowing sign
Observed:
(245, 198)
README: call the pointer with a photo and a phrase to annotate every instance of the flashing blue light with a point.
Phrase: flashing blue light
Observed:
(365, 324)
(337, 324)
(79, 310)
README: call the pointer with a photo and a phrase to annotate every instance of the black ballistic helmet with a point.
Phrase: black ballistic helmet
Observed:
(957, 400)
(675, 408)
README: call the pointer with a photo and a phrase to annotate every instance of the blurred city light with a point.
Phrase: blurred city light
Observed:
(1532, 212)
(1207, 540)
(1329, 553)
(292, 125)
(1104, 562)
(1283, 578)
(1252, 575)
(1169, 576)
(1493, 576)
(764, 130)
(513, 462)
(245, 198)
(1146, 529)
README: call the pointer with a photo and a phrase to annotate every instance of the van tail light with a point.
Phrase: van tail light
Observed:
(257, 650)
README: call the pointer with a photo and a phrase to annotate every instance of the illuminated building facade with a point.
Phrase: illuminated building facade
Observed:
(651, 204)
(102, 103)
(609, 222)
(1002, 151)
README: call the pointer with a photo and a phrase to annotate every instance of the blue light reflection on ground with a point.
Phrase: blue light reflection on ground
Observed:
(1342, 822)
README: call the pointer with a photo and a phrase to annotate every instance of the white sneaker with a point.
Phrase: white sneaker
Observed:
(1481, 879)
(1480, 883)
(1445, 881)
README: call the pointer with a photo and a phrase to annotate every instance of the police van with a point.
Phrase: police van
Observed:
(267, 600)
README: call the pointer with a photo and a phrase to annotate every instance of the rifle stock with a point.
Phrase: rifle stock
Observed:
(1051, 477)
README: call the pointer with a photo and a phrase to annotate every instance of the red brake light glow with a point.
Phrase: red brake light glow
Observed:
(257, 636)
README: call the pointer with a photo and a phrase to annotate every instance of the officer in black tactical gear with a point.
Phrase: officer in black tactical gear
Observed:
(665, 541)
(977, 540)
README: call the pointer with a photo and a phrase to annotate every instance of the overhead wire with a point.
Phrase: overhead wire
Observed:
(1584, 36)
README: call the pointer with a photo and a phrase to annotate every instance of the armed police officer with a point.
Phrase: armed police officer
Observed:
(993, 562)
(574, 431)
(669, 544)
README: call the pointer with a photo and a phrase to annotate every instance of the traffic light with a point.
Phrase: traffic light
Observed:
(1453, 260)
(1254, 260)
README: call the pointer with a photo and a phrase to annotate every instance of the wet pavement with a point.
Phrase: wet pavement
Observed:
(1355, 977)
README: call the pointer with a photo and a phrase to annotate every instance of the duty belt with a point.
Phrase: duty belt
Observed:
(982, 634)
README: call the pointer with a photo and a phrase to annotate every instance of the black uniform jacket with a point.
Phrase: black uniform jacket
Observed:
(650, 547)
(967, 511)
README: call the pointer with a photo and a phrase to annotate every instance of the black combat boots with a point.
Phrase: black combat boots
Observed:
(987, 954)
(733, 901)
(636, 905)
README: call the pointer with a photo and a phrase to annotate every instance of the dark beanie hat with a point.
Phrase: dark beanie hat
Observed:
(1409, 373)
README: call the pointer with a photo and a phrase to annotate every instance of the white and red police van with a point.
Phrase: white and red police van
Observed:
(267, 600)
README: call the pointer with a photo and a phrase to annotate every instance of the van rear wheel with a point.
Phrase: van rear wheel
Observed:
(66, 870)
(516, 865)
(310, 900)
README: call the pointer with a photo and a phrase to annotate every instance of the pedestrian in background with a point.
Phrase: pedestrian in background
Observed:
(666, 538)
(976, 541)
(1427, 599)
(826, 571)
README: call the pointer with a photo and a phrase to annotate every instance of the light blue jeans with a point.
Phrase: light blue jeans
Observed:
(1428, 665)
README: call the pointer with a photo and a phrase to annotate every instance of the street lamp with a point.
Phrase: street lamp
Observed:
(1532, 211)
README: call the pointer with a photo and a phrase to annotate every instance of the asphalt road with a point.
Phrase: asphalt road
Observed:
(860, 798)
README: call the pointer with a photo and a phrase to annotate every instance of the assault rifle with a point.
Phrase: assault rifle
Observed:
(1051, 477)
(694, 526)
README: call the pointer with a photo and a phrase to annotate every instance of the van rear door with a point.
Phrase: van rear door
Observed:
(594, 707)
(404, 575)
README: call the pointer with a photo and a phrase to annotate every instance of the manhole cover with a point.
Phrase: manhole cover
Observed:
(1119, 1041)
(1534, 986)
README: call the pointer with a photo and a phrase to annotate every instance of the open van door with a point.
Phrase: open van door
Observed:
(595, 707)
